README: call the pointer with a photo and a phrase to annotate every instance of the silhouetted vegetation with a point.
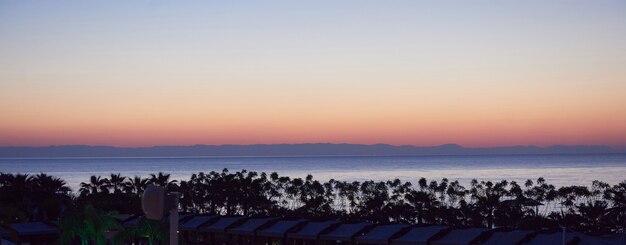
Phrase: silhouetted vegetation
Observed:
(32, 197)
(88, 224)
(598, 208)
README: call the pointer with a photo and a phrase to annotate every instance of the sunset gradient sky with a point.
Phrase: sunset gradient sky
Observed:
(476, 73)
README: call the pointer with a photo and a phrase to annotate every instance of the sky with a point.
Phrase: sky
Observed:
(475, 73)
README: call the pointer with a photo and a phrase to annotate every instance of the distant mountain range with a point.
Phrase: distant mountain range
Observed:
(320, 149)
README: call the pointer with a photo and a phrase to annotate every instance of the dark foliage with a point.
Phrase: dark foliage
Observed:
(39, 197)
(598, 208)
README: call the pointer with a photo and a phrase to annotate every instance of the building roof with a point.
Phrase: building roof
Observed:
(123, 217)
(345, 232)
(280, 228)
(553, 238)
(381, 234)
(460, 236)
(508, 237)
(363, 233)
(419, 235)
(34, 228)
(6, 242)
(251, 226)
(192, 223)
(222, 224)
(312, 230)
(612, 239)
(183, 217)
(132, 222)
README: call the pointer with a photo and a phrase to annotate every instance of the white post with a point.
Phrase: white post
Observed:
(174, 224)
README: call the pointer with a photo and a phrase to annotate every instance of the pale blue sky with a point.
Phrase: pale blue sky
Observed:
(525, 68)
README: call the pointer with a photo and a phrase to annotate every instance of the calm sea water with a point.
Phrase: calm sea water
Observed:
(556, 169)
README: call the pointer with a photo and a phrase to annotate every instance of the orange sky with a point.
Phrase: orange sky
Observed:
(401, 73)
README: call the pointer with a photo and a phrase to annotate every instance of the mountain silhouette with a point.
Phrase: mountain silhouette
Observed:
(318, 149)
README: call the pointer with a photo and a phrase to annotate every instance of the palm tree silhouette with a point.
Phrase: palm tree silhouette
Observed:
(117, 183)
(94, 186)
(136, 185)
(423, 203)
(162, 179)
(49, 195)
(599, 209)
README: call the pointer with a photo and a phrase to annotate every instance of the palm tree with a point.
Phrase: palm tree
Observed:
(17, 182)
(71, 228)
(423, 203)
(599, 209)
(617, 197)
(155, 230)
(50, 184)
(541, 192)
(374, 197)
(455, 193)
(117, 182)
(15, 203)
(162, 180)
(88, 224)
(314, 198)
(136, 185)
(397, 207)
(486, 197)
(50, 195)
(95, 185)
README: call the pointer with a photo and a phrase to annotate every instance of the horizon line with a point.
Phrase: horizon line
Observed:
(321, 143)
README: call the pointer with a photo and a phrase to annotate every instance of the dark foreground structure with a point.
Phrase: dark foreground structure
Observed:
(216, 229)
(258, 208)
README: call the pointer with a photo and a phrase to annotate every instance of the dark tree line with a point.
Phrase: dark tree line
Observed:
(598, 208)
(26, 197)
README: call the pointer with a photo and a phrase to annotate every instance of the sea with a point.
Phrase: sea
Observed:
(559, 170)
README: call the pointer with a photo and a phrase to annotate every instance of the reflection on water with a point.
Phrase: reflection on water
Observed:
(556, 169)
